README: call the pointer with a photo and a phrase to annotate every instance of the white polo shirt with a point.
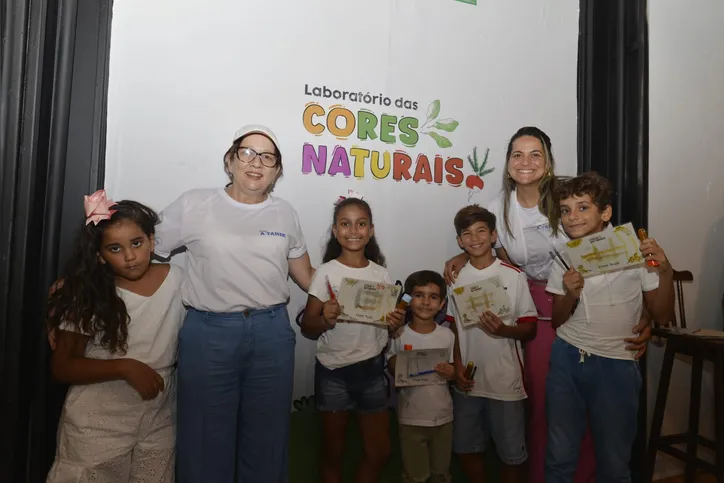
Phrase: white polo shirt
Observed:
(347, 342)
(429, 405)
(236, 253)
(611, 304)
(532, 240)
(499, 359)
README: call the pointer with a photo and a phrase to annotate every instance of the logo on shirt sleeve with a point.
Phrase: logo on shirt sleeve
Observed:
(272, 233)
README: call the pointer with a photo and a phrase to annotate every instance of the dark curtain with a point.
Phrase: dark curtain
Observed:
(53, 84)
(613, 121)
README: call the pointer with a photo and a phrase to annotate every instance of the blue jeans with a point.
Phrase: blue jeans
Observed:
(606, 391)
(235, 376)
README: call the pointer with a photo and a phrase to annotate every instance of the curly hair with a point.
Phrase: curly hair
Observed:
(87, 298)
(333, 249)
(590, 183)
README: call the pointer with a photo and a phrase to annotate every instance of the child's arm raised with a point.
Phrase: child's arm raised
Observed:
(69, 365)
(660, 301)
(563, 305)
(319, 316)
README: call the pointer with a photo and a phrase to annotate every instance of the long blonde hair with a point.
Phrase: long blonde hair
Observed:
(546, 186)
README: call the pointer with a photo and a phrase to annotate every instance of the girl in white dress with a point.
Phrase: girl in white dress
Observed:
(114, 320)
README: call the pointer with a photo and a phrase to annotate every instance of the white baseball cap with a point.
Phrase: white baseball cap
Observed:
(256, 129)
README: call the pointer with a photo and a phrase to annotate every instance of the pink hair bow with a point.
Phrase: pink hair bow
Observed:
(97, 207)
(350, 194)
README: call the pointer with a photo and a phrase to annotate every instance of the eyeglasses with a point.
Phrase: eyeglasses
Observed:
(247, 155)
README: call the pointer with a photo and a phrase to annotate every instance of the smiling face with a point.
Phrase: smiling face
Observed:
(255, 166)
(426, 301)
(582, 217)
(127, 249)
(353, 228)
(477, 240)
(527, 163)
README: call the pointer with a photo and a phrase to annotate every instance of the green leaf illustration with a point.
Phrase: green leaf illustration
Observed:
(448, 125)
(441, 141)
(481, 166)
(487, 171)
(473, 160)
(433, 110)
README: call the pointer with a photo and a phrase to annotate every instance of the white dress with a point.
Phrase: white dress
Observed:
(107, 432)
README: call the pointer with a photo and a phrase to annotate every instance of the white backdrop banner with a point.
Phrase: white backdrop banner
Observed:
(410, 103)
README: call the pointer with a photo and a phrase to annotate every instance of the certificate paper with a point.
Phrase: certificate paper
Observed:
(605, 251)
(417, 367)
(367, 302)
(474, 299)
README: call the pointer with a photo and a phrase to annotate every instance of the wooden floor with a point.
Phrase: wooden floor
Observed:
(702, 478)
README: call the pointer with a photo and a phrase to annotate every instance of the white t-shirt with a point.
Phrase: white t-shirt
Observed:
(531, 246)
(154, 325)
(610, 306)
(237, 253)
(429, 405)
(499, 359)
(347, 342)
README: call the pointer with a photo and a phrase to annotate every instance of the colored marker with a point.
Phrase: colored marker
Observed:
(404, 302)
(332, 296)
(643, 236)
(556, 254)
(469, 370)
(422, 373)
(560, 258)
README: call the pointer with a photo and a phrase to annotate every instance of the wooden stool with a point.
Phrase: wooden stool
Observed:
(700, 349)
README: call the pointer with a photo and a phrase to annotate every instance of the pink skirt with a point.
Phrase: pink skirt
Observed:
(537, 357)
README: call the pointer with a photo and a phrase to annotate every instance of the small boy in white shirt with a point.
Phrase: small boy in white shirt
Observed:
(425, 413)
(593, 377)
(491, 404)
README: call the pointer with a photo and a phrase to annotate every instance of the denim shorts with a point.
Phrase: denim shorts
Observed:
(477, 419)
(358, 387)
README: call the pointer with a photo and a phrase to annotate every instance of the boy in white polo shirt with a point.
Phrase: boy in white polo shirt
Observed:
(425, 413)
(492, 404)
(592, 376)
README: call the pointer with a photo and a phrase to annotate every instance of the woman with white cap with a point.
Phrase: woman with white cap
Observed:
(236, 347)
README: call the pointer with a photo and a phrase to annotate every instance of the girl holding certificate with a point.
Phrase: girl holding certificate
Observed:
(529, 229)
(349, 371)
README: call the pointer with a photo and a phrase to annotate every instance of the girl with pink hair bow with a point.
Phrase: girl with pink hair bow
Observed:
(113, 320)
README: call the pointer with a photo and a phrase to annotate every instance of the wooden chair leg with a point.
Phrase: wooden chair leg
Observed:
(697, 368)
(719, 414)
(659, 409)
